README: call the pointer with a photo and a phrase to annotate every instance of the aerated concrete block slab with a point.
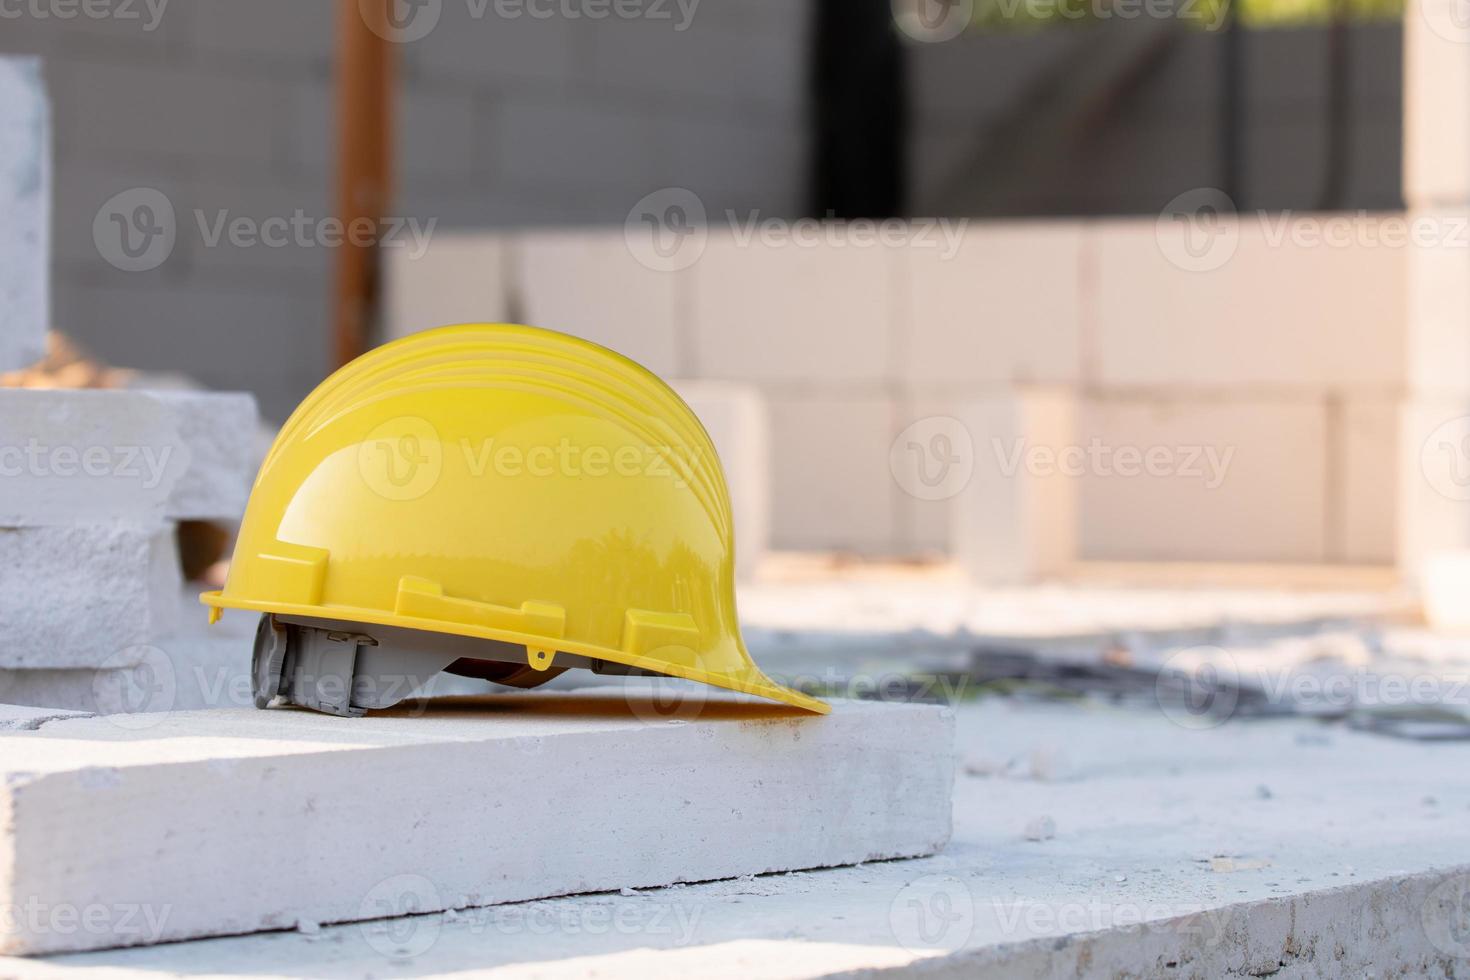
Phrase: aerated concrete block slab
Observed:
(86, 596)
(240, 821)
(70, 457)
(736, 418)
(1014, 519)
(25, 212)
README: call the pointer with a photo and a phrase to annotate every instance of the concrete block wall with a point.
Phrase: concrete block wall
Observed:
(1162, 134)
(224, 108)
(1266, 385)
(25, 211)
(1434, 423)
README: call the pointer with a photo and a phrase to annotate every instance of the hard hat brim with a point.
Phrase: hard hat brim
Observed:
(748, 681)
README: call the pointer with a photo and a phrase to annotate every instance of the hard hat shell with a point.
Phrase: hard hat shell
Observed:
(504, 483)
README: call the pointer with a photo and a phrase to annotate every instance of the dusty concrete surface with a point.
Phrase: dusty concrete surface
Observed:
(17, 718)
(1287, 848)
(462, 803)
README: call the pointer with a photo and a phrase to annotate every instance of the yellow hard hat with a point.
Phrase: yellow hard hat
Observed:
(494, 500)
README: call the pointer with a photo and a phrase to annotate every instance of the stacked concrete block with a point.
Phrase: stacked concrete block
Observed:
(1434, 430)
(590, 284)
(762, 790)
(460, 279)
(94, 484)
(737, 420)
(1015, 519)
(25, 212)
(851, 341)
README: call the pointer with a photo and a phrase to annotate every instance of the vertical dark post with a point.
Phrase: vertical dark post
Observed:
(1339, 111)
(1232, 111)
(364, 96)
(859, 108)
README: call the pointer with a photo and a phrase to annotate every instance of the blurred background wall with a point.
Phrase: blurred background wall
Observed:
(1292, 355)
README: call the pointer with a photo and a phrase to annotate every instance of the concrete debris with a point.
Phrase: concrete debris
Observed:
(1230, 865)
(1039, 829)
(18, 718)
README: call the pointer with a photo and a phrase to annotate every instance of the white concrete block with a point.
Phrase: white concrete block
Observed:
(1366, 488)
(25, 212)
(1006, 306)
(831, 485)
(1205, 480)
(220, 431)
(1434, 488)
(589, 284)
(85, 596)
(460, 279)
(787, 312)
(1015, 518)
(1444, 585)
(1438, 310)
(1127, 886)
(398, 805)
(91, 456)
(1279, 310)
(922, 524)
(1436, 136)
(737, 420)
